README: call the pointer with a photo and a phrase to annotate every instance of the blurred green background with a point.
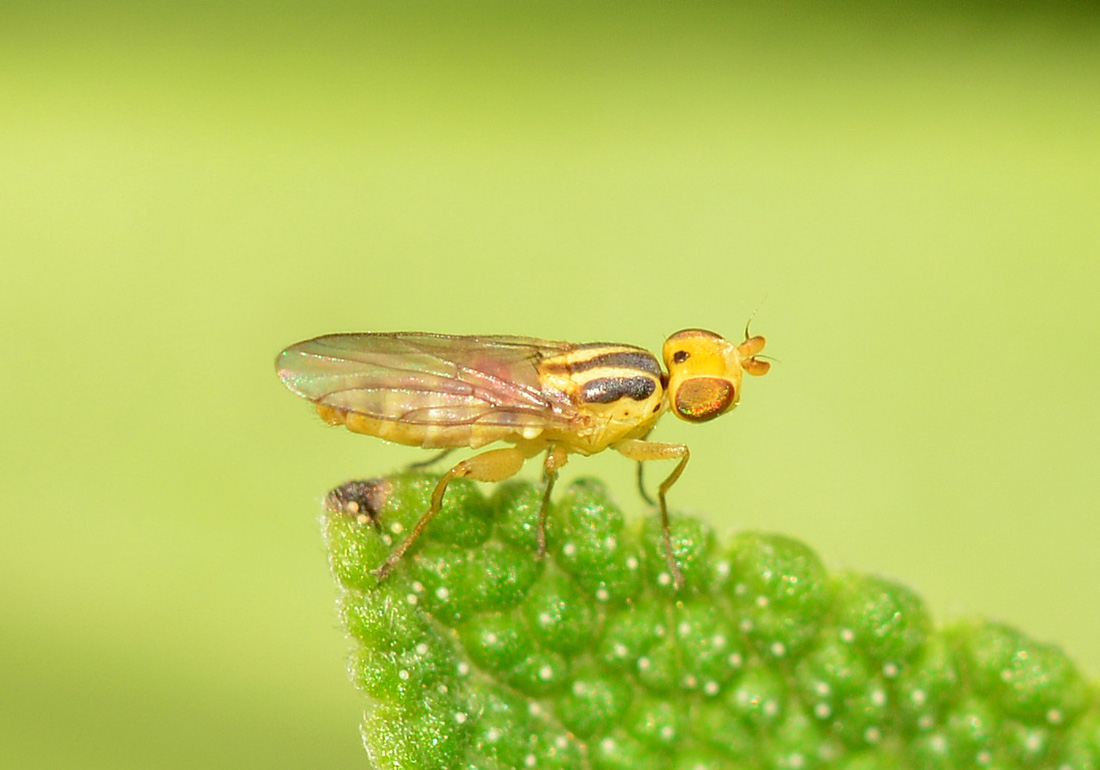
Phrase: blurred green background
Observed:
(186, 191)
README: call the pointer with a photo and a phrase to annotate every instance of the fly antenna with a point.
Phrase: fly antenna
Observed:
(752, 315)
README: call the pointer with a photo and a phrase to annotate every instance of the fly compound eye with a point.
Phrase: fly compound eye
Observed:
(703, 398)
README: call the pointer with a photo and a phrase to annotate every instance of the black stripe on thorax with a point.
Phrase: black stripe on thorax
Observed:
(638, 360)
(604, 390)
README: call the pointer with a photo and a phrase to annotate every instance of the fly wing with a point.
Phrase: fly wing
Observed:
(427, 379)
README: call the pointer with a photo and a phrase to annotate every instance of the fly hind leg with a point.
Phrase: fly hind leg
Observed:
(494, 465)
(643, 451)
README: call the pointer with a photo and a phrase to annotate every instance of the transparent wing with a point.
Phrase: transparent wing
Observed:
(428, 379)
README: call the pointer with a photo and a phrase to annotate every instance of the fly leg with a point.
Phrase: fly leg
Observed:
(641, 476)
(494, 465)
(437, 457)
(644, 451)
(556, 457)
(641, 484)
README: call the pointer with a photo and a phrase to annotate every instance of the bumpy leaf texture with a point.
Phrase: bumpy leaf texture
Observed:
(475, 654)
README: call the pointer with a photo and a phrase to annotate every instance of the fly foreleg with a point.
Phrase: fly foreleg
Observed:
(494, 465)
(644, 451)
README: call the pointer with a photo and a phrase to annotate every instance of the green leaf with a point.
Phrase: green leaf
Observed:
(474, 653)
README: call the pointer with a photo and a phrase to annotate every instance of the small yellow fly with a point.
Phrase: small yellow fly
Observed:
(441, 391)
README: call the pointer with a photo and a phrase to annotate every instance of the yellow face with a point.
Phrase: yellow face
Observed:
(704, 372)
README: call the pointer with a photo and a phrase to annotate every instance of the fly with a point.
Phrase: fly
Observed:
(558, 398)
